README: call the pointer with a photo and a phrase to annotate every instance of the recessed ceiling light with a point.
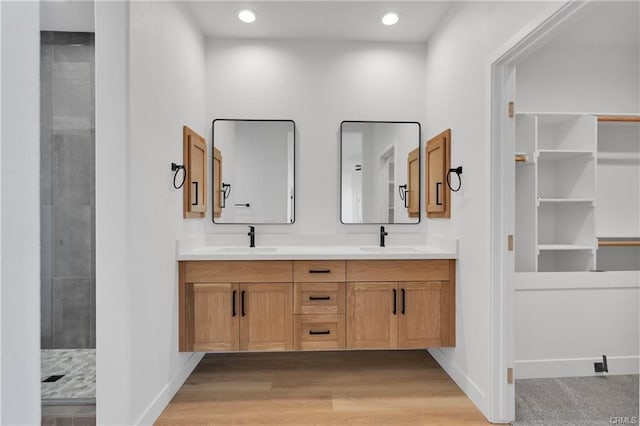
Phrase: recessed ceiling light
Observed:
(247, 16)
(390, 18)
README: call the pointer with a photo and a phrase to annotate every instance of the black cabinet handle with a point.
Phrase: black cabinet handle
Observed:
(319, 297)
(233, 303)
(403, 300)
(319, 271)
(313, 332)
(395, 297)
(242, 301)
(196, 192)
(438, 186)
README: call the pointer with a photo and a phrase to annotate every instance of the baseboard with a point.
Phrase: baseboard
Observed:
(153, 411)
(574, 367)
(468, 386)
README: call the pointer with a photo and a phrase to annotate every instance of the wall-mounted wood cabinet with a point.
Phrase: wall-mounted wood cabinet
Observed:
(218, 195)
(316, 305)
(413, 183)
(438, 162)
(195, 162)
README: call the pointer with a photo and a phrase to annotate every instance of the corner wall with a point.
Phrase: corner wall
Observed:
(19, 212)
(458, 77)
(149, 80)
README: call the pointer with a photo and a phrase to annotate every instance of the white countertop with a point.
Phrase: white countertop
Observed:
(189, 252)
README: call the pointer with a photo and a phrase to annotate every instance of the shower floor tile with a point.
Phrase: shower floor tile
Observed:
(79, 369)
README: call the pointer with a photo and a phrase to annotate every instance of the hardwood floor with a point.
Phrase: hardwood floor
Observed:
(321, 388)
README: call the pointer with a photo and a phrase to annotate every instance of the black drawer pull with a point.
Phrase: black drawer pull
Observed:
(319, 271)
(233, 303)
(403, 300)
(395, 300)
(313, 332)
(319, 297)
(242, 300)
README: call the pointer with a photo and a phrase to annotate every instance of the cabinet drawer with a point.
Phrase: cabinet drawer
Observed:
(319, 270)
(238, 271)
(399, 270)
(319, 298)
(319, 332)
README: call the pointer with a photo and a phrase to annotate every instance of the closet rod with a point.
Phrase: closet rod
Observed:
(619, 243)
(620, 118)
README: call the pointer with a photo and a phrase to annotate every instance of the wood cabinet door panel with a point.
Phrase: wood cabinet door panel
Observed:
(371, 321)
(438, 161)
(195, 159)
(215, 317)
(420, 310)
(413, 186)
(266, 316)
(217, 183)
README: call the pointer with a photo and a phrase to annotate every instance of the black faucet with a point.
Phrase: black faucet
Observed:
(252, 236)
(383, 233)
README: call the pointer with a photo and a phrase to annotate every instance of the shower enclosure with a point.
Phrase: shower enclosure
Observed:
(67, 203)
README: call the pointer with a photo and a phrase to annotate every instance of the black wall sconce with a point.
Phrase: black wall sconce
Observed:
(176, 169)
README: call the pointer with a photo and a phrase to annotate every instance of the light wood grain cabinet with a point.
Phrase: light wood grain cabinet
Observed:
(438, 161)
(316, 305)
(413, 183)
(194, 190)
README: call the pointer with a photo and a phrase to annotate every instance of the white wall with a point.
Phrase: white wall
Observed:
(592, 66)
(72, 16)
(149, 80)
(318, 85)
(458, 97)
(20, 214)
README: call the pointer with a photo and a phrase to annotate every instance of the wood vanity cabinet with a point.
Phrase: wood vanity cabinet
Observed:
(415, 310)
(236, 305)
(316, 304)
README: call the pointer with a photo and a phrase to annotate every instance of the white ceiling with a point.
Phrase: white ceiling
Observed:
(321, 20)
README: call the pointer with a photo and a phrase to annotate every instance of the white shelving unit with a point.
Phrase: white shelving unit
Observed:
(577, 193)
(555, 192)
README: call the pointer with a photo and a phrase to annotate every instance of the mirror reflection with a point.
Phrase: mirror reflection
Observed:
(253, 171)
(380, 179)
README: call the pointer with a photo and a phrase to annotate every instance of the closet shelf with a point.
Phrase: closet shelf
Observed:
(549, 247)
(563, 154)
(621, 156)
(565, 200)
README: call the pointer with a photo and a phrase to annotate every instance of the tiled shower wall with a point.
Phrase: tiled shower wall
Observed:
(67, 194)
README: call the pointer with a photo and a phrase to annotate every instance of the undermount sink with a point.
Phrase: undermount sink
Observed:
(246, 250)
(373, 249)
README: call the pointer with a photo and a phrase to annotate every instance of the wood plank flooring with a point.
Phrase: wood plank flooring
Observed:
(321, 388)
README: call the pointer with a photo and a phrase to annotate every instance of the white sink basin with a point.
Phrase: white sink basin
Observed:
(389, 249)
(246, 250)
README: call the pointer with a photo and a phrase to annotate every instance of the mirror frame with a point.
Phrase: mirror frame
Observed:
(213, 189)
(419, 171)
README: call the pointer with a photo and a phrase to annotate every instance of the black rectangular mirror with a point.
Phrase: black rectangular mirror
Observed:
(380, 172)
(253, 171)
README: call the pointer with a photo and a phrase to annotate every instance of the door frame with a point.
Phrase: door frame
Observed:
(503, 90)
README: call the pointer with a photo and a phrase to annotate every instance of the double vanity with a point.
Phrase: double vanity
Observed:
(316, 298)
(313, 297)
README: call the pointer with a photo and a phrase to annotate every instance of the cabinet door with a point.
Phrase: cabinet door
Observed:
(420, 311)
(217, 183)
(195, 183)
(266, 317)
(372, 320)
(215, 317)
(438, 164)
(413, 183)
